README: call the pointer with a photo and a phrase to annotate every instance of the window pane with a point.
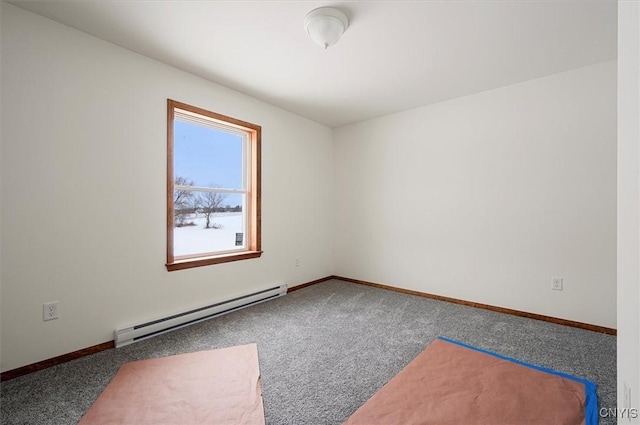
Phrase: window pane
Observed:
(207, 222)
(207, 157)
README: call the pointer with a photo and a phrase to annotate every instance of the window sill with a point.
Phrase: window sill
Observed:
(207, 261)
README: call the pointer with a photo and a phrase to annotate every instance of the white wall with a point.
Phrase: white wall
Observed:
(629, 202)
(1, 118)
(83, 218)
(486, 197)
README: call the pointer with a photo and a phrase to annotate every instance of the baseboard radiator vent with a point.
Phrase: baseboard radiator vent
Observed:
(134, 333)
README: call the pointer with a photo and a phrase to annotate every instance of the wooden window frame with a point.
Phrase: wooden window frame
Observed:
(253, 206)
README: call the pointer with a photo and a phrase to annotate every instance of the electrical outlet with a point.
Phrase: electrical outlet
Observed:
(50, 311)
(556, 283)
(298, 262)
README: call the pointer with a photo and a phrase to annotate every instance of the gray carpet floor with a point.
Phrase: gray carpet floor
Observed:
(323, 350)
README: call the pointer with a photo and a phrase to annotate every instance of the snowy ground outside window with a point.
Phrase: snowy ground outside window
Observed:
(189, 240)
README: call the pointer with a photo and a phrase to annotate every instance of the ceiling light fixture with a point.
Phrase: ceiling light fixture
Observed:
(325, 25)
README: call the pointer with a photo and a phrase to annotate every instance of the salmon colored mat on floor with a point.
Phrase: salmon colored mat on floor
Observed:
(450, 383)
(219, 387)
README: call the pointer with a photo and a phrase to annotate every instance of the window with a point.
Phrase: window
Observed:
(213, 188)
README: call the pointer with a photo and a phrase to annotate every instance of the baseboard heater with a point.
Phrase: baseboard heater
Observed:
(131, 334)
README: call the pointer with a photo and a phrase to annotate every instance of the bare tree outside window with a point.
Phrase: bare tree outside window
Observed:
(208, 204)
(184, 202)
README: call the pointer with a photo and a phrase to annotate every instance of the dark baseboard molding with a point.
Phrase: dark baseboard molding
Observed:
(556, 320)
(11, 374)
(313, 282)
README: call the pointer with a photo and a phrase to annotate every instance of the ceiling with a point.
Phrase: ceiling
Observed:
(396, 55)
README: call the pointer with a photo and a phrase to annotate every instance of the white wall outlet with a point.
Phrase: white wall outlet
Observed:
(556, 283)
(50, 310)
(298, 262)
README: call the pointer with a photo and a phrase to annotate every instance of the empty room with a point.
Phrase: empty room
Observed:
(301, 212)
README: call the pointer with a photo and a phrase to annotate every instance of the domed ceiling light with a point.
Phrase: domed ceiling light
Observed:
(325, 25)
